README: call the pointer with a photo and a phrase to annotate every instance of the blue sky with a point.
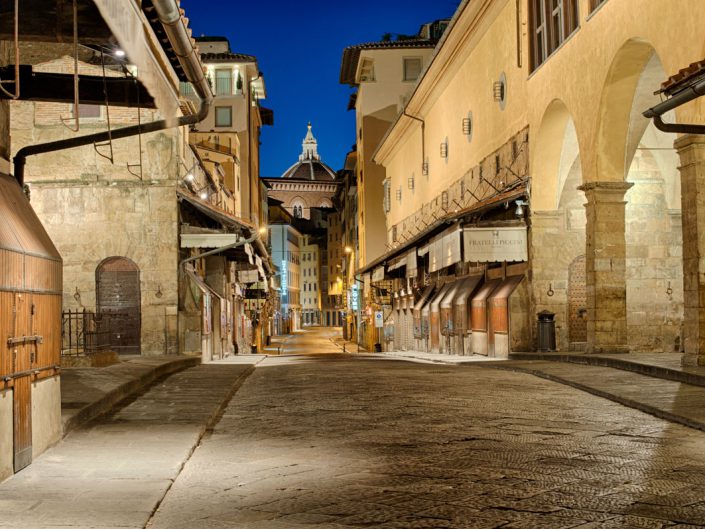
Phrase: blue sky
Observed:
(299, 46)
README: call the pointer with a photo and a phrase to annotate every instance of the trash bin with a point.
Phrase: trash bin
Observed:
(547, 331)
(378, 348)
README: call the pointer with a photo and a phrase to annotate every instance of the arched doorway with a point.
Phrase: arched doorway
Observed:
(118, 304)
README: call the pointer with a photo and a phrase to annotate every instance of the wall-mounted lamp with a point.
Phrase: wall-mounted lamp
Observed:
(444, 200)
(77, 295)
(399, 194)
(467, 126)
(119, 53)
(499, 90)
(348, 250)
(519, 212)
(424, 168)
(444, 149)
(410, 183)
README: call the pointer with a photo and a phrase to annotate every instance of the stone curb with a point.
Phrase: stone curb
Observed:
(205, 429)
(646, 408)
(675, 375)
(110, 399)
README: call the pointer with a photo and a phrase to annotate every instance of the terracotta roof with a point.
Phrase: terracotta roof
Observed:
(310, 170)
(227, 57)
(683, 78)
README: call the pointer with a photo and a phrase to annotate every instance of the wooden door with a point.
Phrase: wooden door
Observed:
(577, 301)
(23, 359)
(119, 305)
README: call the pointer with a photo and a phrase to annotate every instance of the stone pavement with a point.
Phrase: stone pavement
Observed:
(332, 442)
(87, 392)
(116, 470)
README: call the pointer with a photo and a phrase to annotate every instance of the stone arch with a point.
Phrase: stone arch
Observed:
(549, 156)
(119, 304)
(558, 218)
(617, 123)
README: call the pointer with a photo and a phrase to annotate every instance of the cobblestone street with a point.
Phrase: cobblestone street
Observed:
(331, 442)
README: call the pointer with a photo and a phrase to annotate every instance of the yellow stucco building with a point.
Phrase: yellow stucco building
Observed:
(528, 118)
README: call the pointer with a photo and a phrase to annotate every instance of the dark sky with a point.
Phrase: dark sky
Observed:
(299, 46)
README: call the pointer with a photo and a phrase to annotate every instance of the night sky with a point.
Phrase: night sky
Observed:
(299, 47)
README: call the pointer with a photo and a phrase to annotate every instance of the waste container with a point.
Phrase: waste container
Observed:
(547, 331)
(378, 348)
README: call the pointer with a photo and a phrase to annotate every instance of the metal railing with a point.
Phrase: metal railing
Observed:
(82, 332)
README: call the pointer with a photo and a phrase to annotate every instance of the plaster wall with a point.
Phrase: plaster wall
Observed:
(389, 86)
(46, 414)
(6, 439)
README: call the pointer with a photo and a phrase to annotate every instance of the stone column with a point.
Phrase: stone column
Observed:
(691, 150)
(605, 259)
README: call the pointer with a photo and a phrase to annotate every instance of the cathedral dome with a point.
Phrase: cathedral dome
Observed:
(309, 166)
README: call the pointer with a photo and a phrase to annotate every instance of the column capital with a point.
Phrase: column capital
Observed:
(605, 191)
(688, 140)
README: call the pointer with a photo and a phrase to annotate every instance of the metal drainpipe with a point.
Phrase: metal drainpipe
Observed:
(682, 97)
(170, 17)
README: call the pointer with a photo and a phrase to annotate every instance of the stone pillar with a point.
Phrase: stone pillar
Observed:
(691, 150)
(605, 259)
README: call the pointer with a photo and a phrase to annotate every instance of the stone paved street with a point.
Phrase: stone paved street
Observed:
(333, 442)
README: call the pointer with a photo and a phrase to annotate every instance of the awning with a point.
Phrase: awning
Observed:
(208, 240)
(421, 239)
(217, 214)
(424, 297)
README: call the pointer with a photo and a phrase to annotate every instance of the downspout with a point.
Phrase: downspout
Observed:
(684, 96)
(423, 138)
(170, 17)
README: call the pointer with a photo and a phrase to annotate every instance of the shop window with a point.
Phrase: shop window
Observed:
(412, 68)
(552, 22)
(223, 116)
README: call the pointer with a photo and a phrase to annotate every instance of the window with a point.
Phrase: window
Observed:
(412, 68)
(387, 195)
(223, 82)
(594, 4)
(223, 116)
(552, 22)
(367, 71)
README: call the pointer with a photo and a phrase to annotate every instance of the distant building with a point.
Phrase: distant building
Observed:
(308, 183)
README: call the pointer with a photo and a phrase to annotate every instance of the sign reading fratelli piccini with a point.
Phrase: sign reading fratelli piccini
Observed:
(492, 245)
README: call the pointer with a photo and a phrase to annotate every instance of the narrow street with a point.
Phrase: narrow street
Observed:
(334, 441)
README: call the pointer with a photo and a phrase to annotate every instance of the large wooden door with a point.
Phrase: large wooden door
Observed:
(23, 358)
(118, 304)
(577, 301)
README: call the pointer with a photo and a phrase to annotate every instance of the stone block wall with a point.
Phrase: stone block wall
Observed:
(91, 222)
(654, 268)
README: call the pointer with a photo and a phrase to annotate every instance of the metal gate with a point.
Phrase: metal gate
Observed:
(118, 304)
(577, 301)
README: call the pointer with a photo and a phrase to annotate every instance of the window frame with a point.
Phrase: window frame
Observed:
(228, 78)
(404, 77)
(230, 115)
(551, 24)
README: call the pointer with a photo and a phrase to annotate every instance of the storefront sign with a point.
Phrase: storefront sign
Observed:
(493, 245)
(378, 274)
(354, 298)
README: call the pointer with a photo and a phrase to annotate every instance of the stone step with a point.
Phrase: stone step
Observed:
(672, 400)
(627, 362)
